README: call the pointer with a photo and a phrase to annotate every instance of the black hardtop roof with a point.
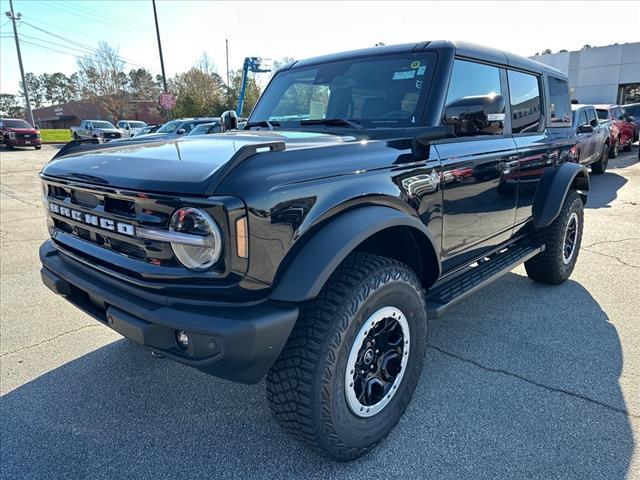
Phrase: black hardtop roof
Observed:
(462, 49)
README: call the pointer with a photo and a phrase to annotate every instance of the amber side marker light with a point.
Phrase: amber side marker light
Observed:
(242, 239)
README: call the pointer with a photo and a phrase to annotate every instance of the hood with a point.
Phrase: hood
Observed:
(185, 166)
(21, 130)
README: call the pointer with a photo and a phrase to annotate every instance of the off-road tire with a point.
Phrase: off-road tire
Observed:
(549, 266)
(306, 385)
(600, 166)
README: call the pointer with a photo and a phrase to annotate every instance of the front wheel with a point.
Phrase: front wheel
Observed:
(38, 147)
(562, 241)
(352, 362)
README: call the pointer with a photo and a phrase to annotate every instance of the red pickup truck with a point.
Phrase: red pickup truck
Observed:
(15, 132)
(622, 122)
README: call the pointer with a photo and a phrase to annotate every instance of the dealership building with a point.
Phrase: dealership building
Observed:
(72, 113)
(600, 74)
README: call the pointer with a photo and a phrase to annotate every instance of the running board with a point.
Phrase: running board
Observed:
(444, 295)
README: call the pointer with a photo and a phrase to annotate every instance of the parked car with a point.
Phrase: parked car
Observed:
(622, 121)
(100, 129)
(174, 129)
(15, 132)
(129, 128)
(592, 147)
(633, 109)
(205, 129)
(311, 246)
(149, 129)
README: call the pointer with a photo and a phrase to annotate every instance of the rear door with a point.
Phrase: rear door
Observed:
(478, 209)
(584, 139)
(598, 135)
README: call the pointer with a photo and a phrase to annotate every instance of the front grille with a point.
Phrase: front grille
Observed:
(112, 135)
(81, 212)
(26, 136)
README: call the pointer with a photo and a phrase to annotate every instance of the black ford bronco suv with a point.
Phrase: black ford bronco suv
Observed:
(368, 191)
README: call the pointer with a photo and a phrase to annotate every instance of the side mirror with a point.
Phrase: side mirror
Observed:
(585, 128)
(475, 114)
(126, 127)
(181, 131)
(632, 119)
(228, 121)
(89, 127)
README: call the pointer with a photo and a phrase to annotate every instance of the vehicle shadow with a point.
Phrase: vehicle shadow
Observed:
(520, 389)
(604, 189)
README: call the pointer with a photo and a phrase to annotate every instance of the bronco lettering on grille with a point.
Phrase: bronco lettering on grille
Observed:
(94, 220)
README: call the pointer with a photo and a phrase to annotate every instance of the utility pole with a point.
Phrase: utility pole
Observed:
(155, 15)
(226, 45)
(13, 18)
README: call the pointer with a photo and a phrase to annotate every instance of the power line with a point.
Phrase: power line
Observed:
(93, 18)
(81, 45)
(96, 12)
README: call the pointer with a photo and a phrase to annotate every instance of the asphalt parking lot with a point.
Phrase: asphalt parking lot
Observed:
(520, 381)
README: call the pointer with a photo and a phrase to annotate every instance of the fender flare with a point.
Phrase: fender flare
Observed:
(313, 264)
(552, 189)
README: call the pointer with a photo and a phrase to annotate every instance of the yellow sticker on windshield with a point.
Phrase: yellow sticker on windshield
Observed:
(415, 64)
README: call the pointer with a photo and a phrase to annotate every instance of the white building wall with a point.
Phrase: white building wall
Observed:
(595, 74)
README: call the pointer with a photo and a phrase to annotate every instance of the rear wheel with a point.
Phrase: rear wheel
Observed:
(562, 241)
(615, 148)
(601, 165)
(349, 369)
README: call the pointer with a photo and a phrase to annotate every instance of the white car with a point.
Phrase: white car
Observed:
(129, 128)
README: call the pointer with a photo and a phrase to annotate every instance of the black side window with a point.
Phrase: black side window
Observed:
(559, 111)
(582, 118)
(524, 94)
(474, 104)
(591, 117)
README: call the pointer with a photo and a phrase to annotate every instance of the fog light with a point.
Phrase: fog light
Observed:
(182, 339)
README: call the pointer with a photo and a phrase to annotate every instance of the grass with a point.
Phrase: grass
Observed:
(60, 135)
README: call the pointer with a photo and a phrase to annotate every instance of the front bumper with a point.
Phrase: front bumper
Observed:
(238, 343)
(19, 142)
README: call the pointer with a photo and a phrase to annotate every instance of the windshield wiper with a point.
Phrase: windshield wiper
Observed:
(332, 121)
(263, 123)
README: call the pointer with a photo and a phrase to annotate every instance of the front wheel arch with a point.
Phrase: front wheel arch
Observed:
(302, 276)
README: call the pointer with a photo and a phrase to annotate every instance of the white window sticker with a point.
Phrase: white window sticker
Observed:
(406, 75)
(495, 117)
(421, 70)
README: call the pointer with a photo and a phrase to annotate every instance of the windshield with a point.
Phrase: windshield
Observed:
(102, 125)
(15, 124)
(201, 129)
(603, 114)
(137, 124)
(377, 91)
(169, 127)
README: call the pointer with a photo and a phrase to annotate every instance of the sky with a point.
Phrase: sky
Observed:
(299, 29)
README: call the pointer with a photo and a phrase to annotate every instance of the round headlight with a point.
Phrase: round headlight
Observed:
(195, 222)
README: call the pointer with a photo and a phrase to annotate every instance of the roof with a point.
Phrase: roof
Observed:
(464, 49)
(604, 106)
(577, 106)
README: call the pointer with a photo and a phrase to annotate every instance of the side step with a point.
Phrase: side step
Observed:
(446, 294)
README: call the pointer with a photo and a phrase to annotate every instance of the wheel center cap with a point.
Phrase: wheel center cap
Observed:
(368, 356)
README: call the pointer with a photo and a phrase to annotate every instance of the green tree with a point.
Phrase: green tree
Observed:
(200, 91)
(36, 90)
(141, 85)
(10, 106)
